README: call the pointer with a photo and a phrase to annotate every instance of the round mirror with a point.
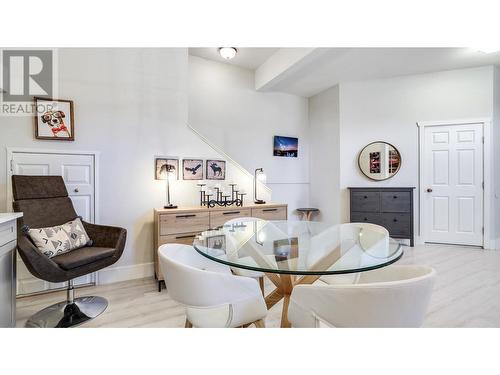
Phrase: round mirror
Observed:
(379, 161)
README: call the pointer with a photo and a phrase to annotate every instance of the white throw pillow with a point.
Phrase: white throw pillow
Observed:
(60, 239)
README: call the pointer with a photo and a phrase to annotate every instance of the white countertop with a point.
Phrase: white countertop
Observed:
(8, 216)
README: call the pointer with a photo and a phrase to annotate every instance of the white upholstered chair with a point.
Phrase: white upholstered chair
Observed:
(213, 296)
(394, 296)
(259, 276)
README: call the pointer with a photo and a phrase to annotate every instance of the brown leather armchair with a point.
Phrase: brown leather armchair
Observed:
(44, 202)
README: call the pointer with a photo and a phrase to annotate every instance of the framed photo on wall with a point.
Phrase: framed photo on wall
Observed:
(54, 119)
(192, 169)
(216, 170)
(164, 165)
(286, 146)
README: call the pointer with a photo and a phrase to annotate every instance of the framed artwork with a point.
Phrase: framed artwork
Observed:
(192, 169)
(164, 165)
(54, 119)
(286, 146)
(375, 162)
(394, 160)
(216, 170)
(286, 249)
(217, 242)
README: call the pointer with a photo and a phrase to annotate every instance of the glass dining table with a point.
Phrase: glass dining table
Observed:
(297, 252)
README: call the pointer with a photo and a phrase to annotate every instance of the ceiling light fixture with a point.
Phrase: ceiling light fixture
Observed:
(228, 52)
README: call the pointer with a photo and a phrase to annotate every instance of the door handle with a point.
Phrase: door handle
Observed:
(429, 190)
(76, 190)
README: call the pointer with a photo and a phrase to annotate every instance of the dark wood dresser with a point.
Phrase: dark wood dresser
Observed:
(389, 207)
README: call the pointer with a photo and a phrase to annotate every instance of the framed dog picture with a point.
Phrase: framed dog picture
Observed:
(54, 119)
(164, 165)
(192, 169)
(216, 170)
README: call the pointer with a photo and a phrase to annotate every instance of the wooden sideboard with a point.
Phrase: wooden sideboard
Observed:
(389, 207)
(182, 225)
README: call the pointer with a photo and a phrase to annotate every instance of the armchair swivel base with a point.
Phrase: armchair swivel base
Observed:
(69, 313)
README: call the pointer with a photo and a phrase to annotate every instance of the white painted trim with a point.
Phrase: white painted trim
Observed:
(488, 214)
(227, 157)
(123, 273)
(95, 154)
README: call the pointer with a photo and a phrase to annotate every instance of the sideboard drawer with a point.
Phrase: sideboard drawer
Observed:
(368, 217)
(398, 201)
(218, 218)
(397, 224)
(270, 213)
(183, 223)
(367, 201)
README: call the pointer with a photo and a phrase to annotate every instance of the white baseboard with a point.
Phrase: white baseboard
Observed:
(124, 273)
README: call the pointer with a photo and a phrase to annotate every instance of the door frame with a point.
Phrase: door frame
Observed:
(488, 214)
(13, 150)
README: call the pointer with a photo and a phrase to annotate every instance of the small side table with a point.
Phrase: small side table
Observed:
(307, 212)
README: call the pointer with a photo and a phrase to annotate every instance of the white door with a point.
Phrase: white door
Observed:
(78, 174)
(452, 179)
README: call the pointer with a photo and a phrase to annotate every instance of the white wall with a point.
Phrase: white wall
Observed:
(224, 106)
(325, 156)
(389, 109)
(130, 105)
(496, 143)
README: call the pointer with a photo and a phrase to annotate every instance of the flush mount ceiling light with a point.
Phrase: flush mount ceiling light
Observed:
(228, 52)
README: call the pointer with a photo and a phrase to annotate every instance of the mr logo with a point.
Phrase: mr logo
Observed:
(26, 73)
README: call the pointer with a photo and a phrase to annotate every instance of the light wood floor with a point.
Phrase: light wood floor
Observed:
(466, 294)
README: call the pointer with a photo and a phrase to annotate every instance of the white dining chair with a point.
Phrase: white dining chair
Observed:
(259, 276)
(213, 296)
(393, 296)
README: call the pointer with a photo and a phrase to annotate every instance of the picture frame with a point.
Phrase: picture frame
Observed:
(217, 242)
(162, 165)
(215, 170)
(54, 119)
(286, 146)
(192, 169)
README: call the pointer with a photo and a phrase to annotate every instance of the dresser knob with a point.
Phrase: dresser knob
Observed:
(395, 220)
(366, 219)
(365, 197)
(395, 196)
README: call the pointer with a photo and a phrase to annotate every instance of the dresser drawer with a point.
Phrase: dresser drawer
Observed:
(183, 223)
(368, 201)
(368, 217)
(270, 213)
(397, 201)
(218, 218)
(397, 224)
(8, 232)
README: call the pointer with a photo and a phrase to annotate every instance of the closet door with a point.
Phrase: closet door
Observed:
(78, 173)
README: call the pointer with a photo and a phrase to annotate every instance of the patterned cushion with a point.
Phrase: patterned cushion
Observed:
(60, 239)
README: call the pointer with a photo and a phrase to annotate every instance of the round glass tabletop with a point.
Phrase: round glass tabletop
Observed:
(299, 247)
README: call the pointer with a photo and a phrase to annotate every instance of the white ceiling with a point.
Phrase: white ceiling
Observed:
(249, 58)
(335, 65)
(327, 67)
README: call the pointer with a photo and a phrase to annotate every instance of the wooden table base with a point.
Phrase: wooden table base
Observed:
(284, 287)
